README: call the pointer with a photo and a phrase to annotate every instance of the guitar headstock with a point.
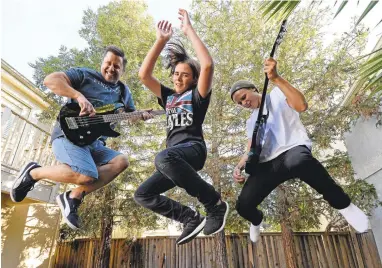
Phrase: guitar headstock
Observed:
(282, 32)
(279, 37)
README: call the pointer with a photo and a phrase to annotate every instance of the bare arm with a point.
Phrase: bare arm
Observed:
(239, 167)
(204, 57)
(164, 32)
(60, 84)
(294, 97)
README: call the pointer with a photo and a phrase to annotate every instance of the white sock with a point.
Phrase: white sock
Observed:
(355, 217)
(254, 232)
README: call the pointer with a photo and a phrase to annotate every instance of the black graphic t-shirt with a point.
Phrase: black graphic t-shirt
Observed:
(185, 115)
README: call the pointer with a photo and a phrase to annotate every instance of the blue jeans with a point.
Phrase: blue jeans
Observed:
(83, 160)
(177, 166)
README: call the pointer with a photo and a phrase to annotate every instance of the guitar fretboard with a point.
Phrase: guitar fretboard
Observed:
(125, 116)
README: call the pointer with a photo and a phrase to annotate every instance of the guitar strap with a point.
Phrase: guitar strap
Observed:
(261, 131)
(261, 119)
(255, 150)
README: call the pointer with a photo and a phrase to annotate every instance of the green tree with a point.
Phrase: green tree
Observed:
(126, 25)
(324, 74)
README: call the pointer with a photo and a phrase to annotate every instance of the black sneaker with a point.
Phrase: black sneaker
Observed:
(23, 182)
(191, 229)
(216, 218)
(69, 208)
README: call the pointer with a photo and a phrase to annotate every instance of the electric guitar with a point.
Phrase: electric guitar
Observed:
(84, 130)
(258, 132)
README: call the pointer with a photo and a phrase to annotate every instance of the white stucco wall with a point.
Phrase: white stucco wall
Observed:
(364, 144)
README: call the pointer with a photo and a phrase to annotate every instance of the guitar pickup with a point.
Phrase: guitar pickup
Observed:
(71, 122)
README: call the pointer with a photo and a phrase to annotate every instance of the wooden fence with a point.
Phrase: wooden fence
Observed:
(335, 250)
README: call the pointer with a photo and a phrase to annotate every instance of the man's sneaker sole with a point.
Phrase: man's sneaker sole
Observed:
(59, 202)
(225, 217)
(194, 233)
(22, 172)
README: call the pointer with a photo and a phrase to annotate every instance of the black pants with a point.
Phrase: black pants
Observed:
(297, 162)
(177, 166)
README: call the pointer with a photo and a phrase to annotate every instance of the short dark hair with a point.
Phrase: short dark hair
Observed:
(175, 53)
(116, 51)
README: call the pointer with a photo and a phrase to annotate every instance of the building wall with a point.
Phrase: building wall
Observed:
(28, 233)
(28, 228)
(19, 94)
(364, 144)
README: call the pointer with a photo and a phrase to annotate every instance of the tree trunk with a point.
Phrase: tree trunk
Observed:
(286, 230)
(288, 244)
(221, 249)
(103, 256)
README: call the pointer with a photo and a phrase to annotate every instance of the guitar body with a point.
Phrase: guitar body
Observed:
(79, 131)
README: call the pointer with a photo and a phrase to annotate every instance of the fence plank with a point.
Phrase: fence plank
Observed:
(250, 253)
(322, 257)
(344, 252)
(297, 244)
(373, 250)
(329, 251)
(244, 244)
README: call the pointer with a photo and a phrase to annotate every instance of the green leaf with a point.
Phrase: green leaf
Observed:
(378, 23)
(371, 53)
(343, 4)
(271, 6)
(280, 8)
(372, 66)
(367, 10)
(372, 71)
(375, 81)
(290, 8)
(277, 9)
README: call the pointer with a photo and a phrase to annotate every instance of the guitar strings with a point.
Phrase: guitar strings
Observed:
(83, 121)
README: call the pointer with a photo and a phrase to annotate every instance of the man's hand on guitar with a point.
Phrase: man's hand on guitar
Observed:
(86, 107)
(237, 175)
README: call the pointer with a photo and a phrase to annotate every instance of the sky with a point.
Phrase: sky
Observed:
(37, 28)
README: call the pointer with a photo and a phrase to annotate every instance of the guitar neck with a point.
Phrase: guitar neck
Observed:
(111, 118)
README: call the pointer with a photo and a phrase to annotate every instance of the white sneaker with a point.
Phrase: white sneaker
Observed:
(254, 232)
(355, 217)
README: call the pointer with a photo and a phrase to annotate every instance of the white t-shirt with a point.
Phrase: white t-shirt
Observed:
(284, 129)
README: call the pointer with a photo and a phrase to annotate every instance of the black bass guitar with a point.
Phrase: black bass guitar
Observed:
(258, 132)
(84, 130)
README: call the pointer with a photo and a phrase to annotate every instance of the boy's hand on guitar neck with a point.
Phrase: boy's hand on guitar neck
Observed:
(270, 68)
(147, 115)
(86, 107)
